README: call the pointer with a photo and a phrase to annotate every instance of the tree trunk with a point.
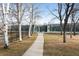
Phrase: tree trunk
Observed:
(74, 29)
(11, 33)
(64, 34)
(71, 29)
(30, 28)
(5, 30)
(61, 27)
(71, 32)
(20, 34)
(5, 33)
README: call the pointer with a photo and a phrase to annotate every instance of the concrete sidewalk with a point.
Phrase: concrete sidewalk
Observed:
(37, 47)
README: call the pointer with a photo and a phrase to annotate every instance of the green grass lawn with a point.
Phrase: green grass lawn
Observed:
(17, 48)
(54, 46)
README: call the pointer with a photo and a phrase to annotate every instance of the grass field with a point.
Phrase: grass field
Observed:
(13, 36)
(17, 48)
(54, 46)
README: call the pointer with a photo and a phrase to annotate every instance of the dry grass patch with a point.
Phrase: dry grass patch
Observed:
(54, 46)
(17, 48)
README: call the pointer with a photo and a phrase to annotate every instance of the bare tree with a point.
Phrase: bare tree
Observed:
(18, 14)
(34, 14)
(64, 12)
(31, 19)
(71, 28)
(5, 11)
(68, 10)
(74, 19)
(60, 15)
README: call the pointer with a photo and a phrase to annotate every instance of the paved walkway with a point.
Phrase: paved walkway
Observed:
(37, 47)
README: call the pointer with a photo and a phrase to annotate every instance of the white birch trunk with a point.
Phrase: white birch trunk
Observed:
(5, 29)
(30, 27)
(5, 32)
(31, 20)
(20, 34)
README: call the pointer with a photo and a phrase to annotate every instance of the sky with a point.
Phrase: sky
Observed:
(47, 16)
